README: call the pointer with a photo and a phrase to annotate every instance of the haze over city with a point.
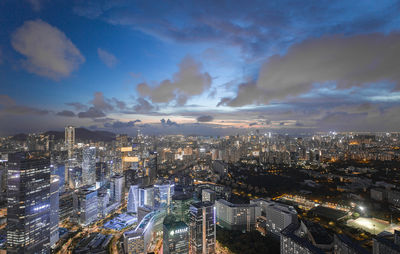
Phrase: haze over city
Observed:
(199, 67)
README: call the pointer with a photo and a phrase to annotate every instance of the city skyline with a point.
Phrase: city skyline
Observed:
(199, 67)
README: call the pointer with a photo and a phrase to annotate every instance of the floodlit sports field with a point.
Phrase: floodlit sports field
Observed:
(370, 225)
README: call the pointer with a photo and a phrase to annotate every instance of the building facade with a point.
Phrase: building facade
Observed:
(236, 216)
(28, 203)
(202, 228)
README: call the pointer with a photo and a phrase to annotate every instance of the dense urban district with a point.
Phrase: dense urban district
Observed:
(82, 191)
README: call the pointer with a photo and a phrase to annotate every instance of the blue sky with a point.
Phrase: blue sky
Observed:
(210, 67)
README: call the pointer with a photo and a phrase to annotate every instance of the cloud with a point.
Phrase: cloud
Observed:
(48, 51)
(100, 103)
(168, 123)
(77, 105)
(205, 118)
(187, 82)
(36, 4)
(272, 26)
(9, 106)
(107, 58)
(119, 124)
(143, 106)
(92, 112)
(120, 104)
(347, 61)
(66, 113)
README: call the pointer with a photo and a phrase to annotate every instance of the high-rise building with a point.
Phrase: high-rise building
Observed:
(202, 228)
(89, 166)
(69, 143)
(175, 236)
(66, 210)
(85, 205)
(180, 206)
(236, 216)
(163, 194)
(278, 216)
(208, 195)
(102, 173)
(305, 238)
(28, 196)
(151, 167)
(117, 188)
(134, 242)
(69, 139)
(146, 197)
(133, 199)
(75, 178)
(387, 244)
(54, 209)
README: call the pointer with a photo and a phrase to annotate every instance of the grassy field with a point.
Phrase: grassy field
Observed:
(370, 225)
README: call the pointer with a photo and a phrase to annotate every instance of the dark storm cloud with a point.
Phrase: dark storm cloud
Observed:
(205, 118)
(347, 61)
(187, 82)
(66, 113)
(92, 112)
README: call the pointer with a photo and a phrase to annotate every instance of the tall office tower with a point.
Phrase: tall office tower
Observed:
(85, 205)
(146, 197)
(175, 236)
(89, 166)
(151, 169)
(102, 173)
(202, 231)
(122, 151)
(163, 194)
(74, 178)
(69, 143)
(133, 199)
(54, 208)
(69, 136)
(180, 206)
(117, 188)
(66, 210)
(28, 196)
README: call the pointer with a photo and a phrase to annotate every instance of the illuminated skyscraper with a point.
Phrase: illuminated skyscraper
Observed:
(133, 199)
(85, 205)
(152, 167)
(202, 228)
(117, 188)
(54, 208)
(69, 143)
(89, 166)
(28, 196)
(175, 236)
(163, 194)
(69, 139)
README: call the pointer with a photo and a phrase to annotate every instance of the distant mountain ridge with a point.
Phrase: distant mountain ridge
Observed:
(80, 134)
